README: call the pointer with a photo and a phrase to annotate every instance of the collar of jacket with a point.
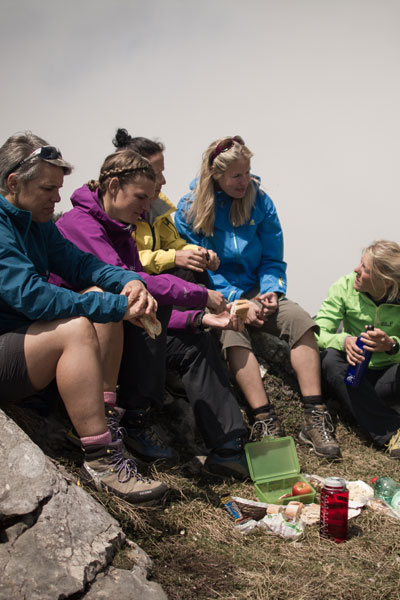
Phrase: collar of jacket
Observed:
(21, 218)
(89, 201)
(161, 207)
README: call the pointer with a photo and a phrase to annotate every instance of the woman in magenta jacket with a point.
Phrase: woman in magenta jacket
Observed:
(101, 222)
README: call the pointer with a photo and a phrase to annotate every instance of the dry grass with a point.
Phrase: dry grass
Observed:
(198, 555)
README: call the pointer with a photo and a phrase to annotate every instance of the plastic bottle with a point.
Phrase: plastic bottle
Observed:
(355, 373)
(334, 510)
(385, 488)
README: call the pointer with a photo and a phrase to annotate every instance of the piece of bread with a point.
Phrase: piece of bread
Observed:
(151, 328)
(240, 308)
(293, 510)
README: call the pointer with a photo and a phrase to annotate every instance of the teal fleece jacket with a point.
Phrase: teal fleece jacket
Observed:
(28, 252)
(356, 310)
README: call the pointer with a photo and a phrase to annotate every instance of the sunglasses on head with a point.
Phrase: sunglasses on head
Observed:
(224, 146)
(45, 153)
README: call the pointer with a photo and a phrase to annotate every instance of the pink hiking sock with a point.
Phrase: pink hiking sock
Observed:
(110, 398)
(104, 439)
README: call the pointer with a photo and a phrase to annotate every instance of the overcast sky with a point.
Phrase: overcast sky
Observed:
(312, 86)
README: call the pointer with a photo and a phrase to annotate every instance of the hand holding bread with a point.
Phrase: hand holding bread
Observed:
(240, 308)
(153, 329)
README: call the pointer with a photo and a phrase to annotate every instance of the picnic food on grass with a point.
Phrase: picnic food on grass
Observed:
(152, 328)
(240, 308)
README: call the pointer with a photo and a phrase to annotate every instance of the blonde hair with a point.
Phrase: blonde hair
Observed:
(384, 259)
(202, 211)
(126, 165)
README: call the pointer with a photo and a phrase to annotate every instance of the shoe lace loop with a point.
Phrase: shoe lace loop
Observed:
(264, 428)
(322, 421)
(113, 418)
(125, 468)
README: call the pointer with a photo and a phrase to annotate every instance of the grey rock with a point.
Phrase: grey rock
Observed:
(26, 476)
(270, 349)
(55, 539)
(128, 585)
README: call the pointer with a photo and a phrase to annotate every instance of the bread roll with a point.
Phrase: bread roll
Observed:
(240, 308)
(293, 510)
(151, 328)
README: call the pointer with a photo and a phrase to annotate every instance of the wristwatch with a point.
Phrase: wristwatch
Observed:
(394, 349)
(198, 321)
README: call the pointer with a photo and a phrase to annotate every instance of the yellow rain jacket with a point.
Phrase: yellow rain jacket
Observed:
(157, 239)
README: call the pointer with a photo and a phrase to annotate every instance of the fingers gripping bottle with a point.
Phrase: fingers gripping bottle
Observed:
(355, 373)
(334, 510)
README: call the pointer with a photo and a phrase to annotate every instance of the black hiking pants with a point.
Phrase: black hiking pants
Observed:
(373, 404)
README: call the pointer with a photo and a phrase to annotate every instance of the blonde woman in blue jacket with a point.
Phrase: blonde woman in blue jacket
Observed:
(227, 212)
(368, 296)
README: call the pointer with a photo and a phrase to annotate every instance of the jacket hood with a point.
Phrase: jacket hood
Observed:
(90, 203)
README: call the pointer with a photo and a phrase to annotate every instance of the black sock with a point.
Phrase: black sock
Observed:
(311, 401)
(262, 410)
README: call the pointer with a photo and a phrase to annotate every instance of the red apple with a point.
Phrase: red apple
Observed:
(300, 488)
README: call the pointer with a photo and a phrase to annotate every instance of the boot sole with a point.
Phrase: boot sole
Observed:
(306, 440)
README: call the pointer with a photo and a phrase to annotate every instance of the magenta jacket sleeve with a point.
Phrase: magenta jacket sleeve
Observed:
(183, 320)
(168, 289)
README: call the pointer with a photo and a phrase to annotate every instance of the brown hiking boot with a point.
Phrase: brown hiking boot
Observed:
(106, 467)
(318, 431)
(266, 425)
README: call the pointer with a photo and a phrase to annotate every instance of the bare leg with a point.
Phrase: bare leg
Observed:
(305, 360)
(68, 349)
(111, 339)
(246, 371)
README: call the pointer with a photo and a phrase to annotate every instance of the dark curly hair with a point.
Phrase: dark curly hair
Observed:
(141, 145)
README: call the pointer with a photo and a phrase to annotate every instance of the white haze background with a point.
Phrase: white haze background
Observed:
(312, 86)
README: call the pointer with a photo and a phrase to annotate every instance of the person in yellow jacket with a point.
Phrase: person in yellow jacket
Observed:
(160, 247)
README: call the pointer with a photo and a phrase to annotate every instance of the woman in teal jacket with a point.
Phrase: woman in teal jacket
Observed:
(227, 211)
(48, 332)
(368, 296)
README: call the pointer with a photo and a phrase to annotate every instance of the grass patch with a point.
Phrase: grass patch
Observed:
(198, 556)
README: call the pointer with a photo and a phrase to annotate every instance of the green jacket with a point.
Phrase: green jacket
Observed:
(356, 310)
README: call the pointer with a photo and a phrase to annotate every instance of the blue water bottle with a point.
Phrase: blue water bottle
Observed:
(356, 373)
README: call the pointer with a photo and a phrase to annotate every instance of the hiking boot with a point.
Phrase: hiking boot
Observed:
(106, 467)
(393, 445)
(143, 440)
(318, 431)
(228, 461)
(266, 424)
(113, 417)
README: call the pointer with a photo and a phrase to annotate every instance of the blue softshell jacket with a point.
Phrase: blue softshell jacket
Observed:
(251, 255)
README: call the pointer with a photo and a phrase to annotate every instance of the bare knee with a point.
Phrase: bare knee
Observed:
(79, 330)
(307, 339)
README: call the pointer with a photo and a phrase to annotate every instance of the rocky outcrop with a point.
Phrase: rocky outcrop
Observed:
(56, 541)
